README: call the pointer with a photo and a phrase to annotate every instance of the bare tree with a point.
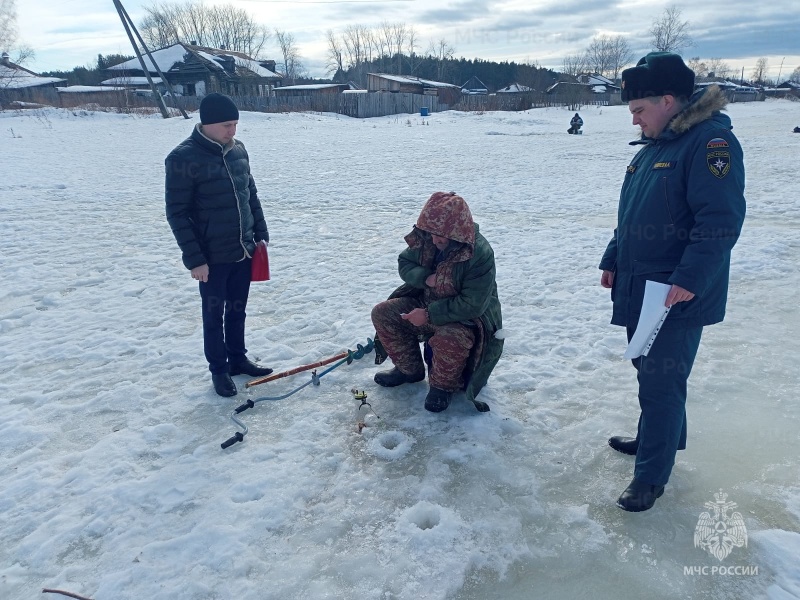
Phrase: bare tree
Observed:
(574, 64)
(335, 56)
(232, 28)
(23, 53)
(372, 45)
(157, 31)
(759, 74)
(795, 76)
(598, 54)
(441, 52)
(411, 46)
(8, 25)
(292, 63)
(699, 67)
(670, 33)
(385, 39)
(608, 55)
(218, 26)
(620, 56)
(19, 53)
(719, 68)
(356, 40)
(355, 45)
(399, 33)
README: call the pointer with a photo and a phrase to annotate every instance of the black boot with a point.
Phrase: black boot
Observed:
(246, 367)
(223, 384)
(639, 496)
(437, 400)
(395, 377)
(626, 445)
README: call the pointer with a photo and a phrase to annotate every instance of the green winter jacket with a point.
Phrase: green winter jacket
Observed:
(681, 210)
(465, 290)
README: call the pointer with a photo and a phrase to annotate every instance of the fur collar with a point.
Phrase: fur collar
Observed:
(701, 109)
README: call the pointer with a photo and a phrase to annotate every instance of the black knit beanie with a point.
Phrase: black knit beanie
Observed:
(216, 108)
(657, 74)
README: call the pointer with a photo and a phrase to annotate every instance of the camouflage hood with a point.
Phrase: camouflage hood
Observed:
(446, 214)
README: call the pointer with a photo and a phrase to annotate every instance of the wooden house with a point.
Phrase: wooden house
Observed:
(197, 70)
(599, 84)
(474, 87)
(515, 88)
(18, 84)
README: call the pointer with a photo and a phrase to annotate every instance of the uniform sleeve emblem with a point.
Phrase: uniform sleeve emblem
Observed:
(717, 143)
(719, 163)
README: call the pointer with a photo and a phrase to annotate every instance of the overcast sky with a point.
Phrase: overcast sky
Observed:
(68, 33)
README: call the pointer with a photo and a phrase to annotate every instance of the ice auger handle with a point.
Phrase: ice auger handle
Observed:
(242, 408)
(238, 437)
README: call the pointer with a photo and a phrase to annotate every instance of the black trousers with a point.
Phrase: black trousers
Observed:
(224, 298)
(662, 376)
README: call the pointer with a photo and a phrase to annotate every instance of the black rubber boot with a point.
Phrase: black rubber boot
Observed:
(223, 384)
(247, 367)
(626, 445)
(395, 377)
(639, 496)
(437, 400)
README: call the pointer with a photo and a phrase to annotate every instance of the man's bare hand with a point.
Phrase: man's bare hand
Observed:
(607, 279)
(417, 317)
(678, 294)
(200, 273)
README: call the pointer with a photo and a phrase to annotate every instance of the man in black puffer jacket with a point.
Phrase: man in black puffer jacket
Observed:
(216, 217)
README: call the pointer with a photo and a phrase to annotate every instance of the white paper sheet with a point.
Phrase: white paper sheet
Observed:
(653, 315)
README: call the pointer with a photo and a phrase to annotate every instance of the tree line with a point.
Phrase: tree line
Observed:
(390, 47)
(91, 74)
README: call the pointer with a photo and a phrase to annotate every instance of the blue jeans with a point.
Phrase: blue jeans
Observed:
(224, 298)
(662, 376)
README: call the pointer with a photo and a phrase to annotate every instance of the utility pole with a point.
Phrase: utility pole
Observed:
(128, 24)
(778, 81)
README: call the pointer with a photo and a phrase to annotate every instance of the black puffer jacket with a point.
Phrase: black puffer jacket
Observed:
(212, 201)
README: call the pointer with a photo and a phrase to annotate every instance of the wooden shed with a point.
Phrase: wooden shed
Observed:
(382, 82)
(318, 89)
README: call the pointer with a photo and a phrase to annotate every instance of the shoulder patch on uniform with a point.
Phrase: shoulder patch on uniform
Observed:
(665, 164)
(717, 143)
(631, 168)
(719, 163)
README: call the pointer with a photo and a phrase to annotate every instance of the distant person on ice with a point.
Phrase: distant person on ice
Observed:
(681, 211)
(575, 124)
(449, 299)
(216, 217)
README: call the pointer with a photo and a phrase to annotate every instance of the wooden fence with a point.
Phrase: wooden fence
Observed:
(524, 100)
(373, 104)
(380, 104)
(377, 104)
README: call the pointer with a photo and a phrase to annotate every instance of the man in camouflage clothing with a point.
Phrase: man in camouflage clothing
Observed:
(449, 299)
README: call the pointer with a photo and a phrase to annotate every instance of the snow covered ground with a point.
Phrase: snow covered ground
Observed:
(114, 485)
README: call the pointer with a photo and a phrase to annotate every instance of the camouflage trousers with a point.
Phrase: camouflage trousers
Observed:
(451, 343)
